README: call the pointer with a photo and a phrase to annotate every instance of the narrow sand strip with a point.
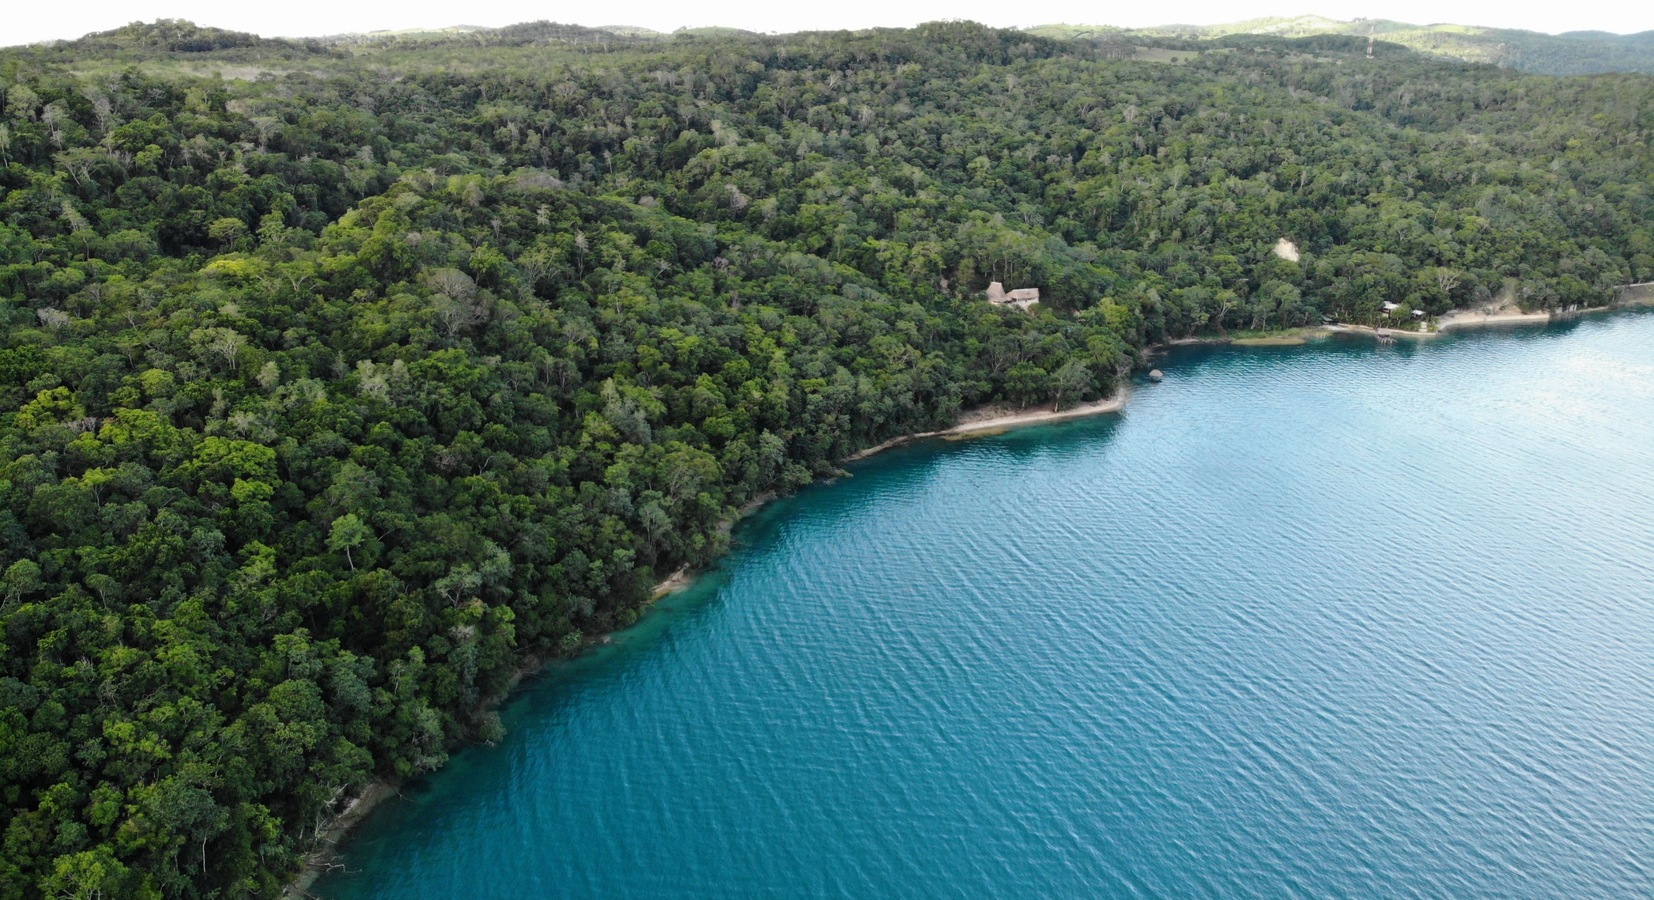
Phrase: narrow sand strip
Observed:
(673, 583)
(998, 418)
(992, 419)
(1462, 319)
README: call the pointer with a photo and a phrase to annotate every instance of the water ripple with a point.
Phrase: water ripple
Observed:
(1323, 622)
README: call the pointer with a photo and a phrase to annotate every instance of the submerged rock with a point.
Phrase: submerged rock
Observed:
(1155, 375)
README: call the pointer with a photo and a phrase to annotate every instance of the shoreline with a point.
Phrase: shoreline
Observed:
(325, 856)
(1295, 336)
(672, 583)
(982, 421)
(1484, 320)
(1022, 418)
(1630, 296)
(992, 418)
(1342, 328)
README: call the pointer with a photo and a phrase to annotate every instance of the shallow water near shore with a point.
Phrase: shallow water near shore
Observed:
(1335, 620)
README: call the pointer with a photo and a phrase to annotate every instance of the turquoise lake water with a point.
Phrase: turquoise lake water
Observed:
(1332, 621)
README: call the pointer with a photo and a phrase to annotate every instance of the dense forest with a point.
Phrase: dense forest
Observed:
(337, 380)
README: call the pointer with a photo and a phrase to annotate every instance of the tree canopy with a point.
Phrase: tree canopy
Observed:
(336, 380)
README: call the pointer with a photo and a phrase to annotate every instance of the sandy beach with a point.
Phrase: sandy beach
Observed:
(999, 418)
(676, 581)
(1341, 328)
(1629, 297)
(1467, 319)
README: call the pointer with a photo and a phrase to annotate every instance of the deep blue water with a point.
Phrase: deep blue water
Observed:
(1330, 621)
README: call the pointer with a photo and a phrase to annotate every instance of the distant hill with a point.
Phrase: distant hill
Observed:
(1571, 53)
(541, 33)
(169, 35)
(534, 34)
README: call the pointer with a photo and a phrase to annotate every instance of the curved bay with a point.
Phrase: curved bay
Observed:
(1327, 621)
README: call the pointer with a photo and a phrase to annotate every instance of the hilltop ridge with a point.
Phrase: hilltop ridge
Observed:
(1568, 53)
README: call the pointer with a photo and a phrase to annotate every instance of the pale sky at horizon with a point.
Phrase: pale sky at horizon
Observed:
(30, 22)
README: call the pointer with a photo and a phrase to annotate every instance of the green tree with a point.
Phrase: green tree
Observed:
(347, 533)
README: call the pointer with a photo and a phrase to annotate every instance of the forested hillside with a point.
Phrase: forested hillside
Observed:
(1570, 53)
(331, 391)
